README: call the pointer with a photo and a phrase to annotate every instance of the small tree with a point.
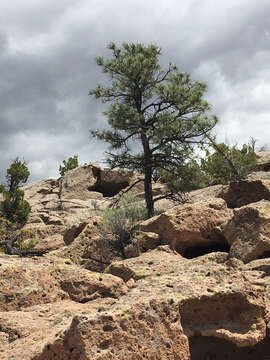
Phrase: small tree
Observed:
(156, 116)
(14, 208)
(227, 163)
(69, 164)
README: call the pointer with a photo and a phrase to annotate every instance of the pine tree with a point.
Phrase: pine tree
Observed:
(156, 116)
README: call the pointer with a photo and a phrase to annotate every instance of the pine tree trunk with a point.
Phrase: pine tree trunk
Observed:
(148, 177)
(148, 193)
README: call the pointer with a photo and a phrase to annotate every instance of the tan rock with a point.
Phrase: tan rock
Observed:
(72, 232)
(76, 183)
(26, 282)
(259, 175)
(83, 286)
(89, 249)
(85, 181)
(147, 240)
(206, 193)
(169, 300)
(248, 232)
(263, 162)
(214, 299)
(48, 237)
(190, 225)
(244, 192)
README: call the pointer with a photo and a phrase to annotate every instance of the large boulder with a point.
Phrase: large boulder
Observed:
(27, 282)
(84, 181)
(88, 249)
(248, 232)
(263, 162)
(244, 192)
(170, 307)
(191, 225)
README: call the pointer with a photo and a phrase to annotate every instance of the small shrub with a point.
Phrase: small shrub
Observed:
(14, 207)
(15, 211)
(24, 239)
(69, 164)
(227, 163)
(118, 222)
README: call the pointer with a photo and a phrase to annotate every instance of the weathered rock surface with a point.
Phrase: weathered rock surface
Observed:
(244, 192)
(170, 300)
(27, 282)
(76, 197)
(158, 305)
(89, 249)
(248, 232)
(206, 193)
(191, 225)
(263, 162)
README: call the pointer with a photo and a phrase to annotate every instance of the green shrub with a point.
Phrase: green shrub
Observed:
(227, 163)
(192, 178)
(15, 211)
(14, 207)
(69, 164)
(118, 222)
(21, 239)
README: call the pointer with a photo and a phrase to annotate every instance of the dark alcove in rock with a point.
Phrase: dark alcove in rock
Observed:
(108, 189)
(195, 251)
(264, 255)
(211, 348)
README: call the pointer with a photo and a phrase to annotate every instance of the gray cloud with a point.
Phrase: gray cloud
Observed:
(47, 52)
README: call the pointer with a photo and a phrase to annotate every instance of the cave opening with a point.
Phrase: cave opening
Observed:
(264, 255)
(212, 348)
(195, 251)
(108, 189)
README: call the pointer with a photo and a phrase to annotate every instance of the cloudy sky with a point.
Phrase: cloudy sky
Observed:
(47, 66)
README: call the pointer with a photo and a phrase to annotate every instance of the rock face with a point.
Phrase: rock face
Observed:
(166, 302)
(61, 208)
(197, 286)
(263, 163)
(244, 192)
(191, 225)
(248, 232)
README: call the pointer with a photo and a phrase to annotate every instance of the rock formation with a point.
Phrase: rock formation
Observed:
(198, 287)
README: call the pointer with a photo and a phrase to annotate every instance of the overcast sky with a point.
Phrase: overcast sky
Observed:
(47, 52)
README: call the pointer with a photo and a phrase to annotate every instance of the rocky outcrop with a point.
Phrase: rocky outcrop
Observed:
(248, 232)
(197, 286)
(244, 192)
(26, 282)
(89, 250)
(61, 208)
(191, 225)
(263, 162)
(167, 302)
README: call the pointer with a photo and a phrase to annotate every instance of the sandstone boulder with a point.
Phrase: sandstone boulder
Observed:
(89, 249)
(248, 232)
(84, 182)
(169, 308)
(263, 162)
(206, 193)
(27, 282)
(42, 195)
(191, 225)
(213, 301)
(244, 192)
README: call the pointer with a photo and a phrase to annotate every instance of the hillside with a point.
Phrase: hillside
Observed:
(194, 285)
